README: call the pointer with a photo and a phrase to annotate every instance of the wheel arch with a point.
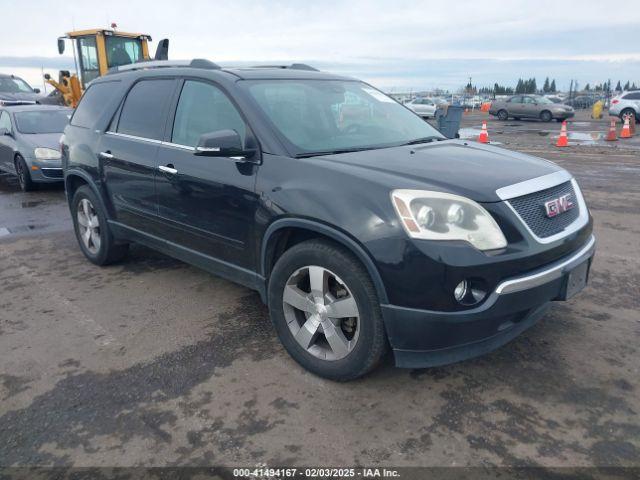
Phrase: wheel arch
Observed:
(75, 179)
(279, 234)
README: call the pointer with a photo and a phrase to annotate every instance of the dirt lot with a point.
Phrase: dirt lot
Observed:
(153, 362)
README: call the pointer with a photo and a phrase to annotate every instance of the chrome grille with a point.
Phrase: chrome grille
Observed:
(531, 210)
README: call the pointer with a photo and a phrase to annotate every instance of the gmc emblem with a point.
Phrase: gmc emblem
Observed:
(559, 205)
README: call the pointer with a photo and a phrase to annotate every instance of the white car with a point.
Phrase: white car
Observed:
(425, 107)
(626, 104)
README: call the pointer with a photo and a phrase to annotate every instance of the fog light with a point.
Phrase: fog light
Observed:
(469, 292)
(461, 291)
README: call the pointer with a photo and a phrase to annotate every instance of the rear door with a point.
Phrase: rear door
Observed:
(515, 107)
(128, 152)
(208, 204)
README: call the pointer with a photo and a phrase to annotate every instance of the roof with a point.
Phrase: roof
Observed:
(33, 108)
(281, 73)
(107, 32)
(268, 72)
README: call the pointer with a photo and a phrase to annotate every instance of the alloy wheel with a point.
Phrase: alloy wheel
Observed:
(20, 172)
(88, 226)
(321, 313)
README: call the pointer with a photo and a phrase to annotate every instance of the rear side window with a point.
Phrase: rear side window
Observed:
(203, 108)
(632, 96)
(143, 112)
(93, 104)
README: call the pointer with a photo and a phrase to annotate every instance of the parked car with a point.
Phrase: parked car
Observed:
(425, 107)
(530, 106)
(360, 235)
(554, 98)
(581, 101)
(625, 105)
(15, 90)
(30, 142)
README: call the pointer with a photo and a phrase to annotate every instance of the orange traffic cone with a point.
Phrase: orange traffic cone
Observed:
(626, 130)
(563, 141)
(611, 136)
(484, 135)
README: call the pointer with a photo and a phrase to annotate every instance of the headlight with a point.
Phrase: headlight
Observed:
(443, 216)
(42, 153)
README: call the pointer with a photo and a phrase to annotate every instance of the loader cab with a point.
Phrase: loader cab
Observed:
(96, 51)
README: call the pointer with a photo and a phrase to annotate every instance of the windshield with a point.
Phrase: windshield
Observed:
(14, 85)
(543, 100)
(42, 122)
(324, 116)
(123, 51)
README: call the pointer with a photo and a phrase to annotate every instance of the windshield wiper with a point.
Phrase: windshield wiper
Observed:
(422, 140)
(334, 152)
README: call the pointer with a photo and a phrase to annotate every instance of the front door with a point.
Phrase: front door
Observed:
(6, 143)
(208, 204)
(128, 153)
(530, 107)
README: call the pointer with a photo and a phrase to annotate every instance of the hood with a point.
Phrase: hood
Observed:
(22, 96)
(47, 140)
(470, 169)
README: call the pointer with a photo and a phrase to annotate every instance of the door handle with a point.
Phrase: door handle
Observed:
(106, 155)
(168, 169)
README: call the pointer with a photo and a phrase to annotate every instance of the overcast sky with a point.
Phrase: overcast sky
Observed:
(394, 44)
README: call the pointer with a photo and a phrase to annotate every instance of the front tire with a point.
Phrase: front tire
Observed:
(503, 115)
(326, 312)
(92, 231)
(627, 113)
(546, 116)
(24, 177)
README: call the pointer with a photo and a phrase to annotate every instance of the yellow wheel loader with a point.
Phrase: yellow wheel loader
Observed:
(94, 53)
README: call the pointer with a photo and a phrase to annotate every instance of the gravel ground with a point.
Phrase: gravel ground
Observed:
(154, 363)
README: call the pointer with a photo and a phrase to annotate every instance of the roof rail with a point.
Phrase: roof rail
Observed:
(293, 66)
(195, 63)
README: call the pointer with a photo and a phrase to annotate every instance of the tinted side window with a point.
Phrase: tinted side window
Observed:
(203, 108)
(93, 103)
(632, 96)
(143, 112)
(515, 100)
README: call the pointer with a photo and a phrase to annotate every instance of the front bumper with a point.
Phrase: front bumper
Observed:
(423, 338)
(563, 115)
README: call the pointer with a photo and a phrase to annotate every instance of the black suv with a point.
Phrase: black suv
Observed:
(359, 224)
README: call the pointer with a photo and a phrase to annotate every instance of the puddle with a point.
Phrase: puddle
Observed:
(4, 232)
(32, 203)
(473, 134)
(580, 124)
(584, 138)
(22, 229)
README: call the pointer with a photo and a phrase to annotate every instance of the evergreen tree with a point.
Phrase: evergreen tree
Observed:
(586, 87)
(618, 87)
(626, 85)
(552, 88)
(633, 87)
(545, 87)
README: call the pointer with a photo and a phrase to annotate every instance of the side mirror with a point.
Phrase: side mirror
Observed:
(36, 90)
(4, 132)
(223, 143)
(61, 46)
(162, 50)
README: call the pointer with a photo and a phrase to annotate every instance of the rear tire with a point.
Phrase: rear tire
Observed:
(24, 177)
(338, 348)
(546, 116)
(92, 230)
(503, 115)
